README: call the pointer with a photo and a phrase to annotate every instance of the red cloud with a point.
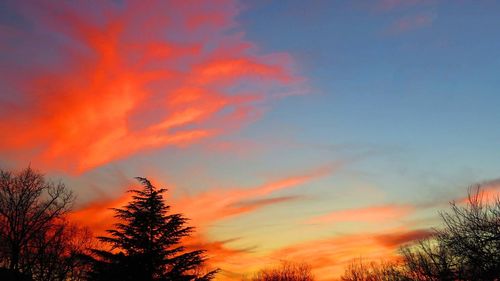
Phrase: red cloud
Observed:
(368, 214)
(110, 81)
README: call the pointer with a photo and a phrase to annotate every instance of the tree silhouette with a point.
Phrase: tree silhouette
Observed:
(429, 260)
(57, 253)
(145, 244)
(36, 241)
(466, 247)
(358, 270)
(287, 271)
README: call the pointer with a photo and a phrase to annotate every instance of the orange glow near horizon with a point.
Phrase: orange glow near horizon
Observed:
(326, 256)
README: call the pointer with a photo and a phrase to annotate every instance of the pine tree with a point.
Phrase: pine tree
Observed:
(145, 244)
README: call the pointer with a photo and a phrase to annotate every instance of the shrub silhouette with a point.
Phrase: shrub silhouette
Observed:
(358, 270)
(145, 243)
(287, 271)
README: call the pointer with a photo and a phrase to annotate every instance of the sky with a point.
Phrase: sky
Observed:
(310, 131)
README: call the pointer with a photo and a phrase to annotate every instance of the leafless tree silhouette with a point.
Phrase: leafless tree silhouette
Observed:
(466, 247)
(358, 270)
(36, 240)
(286, 271)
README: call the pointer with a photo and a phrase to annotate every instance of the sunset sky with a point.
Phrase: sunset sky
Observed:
(310, 131)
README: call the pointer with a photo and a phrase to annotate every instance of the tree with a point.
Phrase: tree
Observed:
(358, 270)
(145, 243)
(32, 212)
(287, 271)
(466, 247)
(57, 254)
(430, 260)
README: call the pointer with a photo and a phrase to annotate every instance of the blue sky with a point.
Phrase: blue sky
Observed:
(428, 92)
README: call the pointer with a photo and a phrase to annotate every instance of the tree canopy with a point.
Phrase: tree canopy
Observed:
(145, 243)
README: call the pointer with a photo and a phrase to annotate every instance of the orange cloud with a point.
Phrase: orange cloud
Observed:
(226, 203)
(489, 192)
(400, 238)
(135, 76)
(328, 257)
(368, 214)
(207, 208)
(99, 216)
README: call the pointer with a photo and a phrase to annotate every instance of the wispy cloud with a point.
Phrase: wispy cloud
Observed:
(400, 238)
(210, 206)
(489, 192)
(206, 209)
(329, 256)
(123, 82)
(388, 5)
(229, 202)
(367, 214)
(409, 23)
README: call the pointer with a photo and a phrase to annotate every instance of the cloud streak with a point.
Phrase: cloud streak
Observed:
(229, 202)
(368, 214)
(410, 23)
(329, 256)
(103, 86)
(388, 5)
(206, 209)
(211, 206)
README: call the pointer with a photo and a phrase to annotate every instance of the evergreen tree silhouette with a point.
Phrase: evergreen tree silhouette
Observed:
(145, 244)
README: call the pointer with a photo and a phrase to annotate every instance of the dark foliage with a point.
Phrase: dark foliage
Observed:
(145, 244)
(10, 275)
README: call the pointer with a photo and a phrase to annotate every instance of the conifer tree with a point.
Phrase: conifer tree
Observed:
(145, 243)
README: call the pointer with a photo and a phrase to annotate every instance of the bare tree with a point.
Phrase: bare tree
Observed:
(471, 234)
(57, 254)
(429, 260)
(358, 270)
(287, 271)
(466, 247)
(31, 211)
